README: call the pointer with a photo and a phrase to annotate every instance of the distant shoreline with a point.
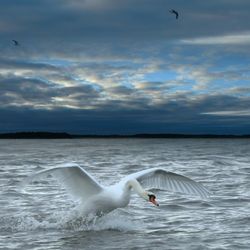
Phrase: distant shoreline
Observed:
(51, 135)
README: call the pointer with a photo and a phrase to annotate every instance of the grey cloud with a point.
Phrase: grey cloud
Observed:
(121, 90)
(119, 19)
(33, 92)
(6, 63)
(174, 116)
(239, 90)
(154, 86)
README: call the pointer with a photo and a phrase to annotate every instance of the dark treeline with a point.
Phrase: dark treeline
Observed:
(50, 135)
(35, 135)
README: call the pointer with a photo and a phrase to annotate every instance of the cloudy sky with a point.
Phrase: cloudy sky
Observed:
(125, 66)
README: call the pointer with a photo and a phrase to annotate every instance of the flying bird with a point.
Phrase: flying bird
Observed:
(98, 199)
(174, 12)
(16, 43)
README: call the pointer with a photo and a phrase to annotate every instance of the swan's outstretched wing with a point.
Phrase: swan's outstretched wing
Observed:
(164, 180)
(76, 180)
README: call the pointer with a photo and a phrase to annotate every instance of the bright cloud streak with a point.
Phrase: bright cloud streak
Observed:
(229, 113)
(233, 39)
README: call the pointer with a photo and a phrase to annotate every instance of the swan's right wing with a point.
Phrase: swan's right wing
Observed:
(75, 179)
(161, 179)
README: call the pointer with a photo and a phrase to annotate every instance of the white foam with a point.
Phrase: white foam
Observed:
(67, 220)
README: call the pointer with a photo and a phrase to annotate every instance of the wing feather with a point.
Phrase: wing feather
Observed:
(78, 183)
(161, 179)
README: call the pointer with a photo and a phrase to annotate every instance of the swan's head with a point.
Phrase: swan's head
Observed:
(149, 196)
(146, 195)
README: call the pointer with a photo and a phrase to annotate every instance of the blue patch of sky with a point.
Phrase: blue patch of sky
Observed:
(233, 74)
(228, 57)
(160, 76)
(127, 82)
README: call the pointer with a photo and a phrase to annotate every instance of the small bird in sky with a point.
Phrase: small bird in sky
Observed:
(174, 12)
(16, 43)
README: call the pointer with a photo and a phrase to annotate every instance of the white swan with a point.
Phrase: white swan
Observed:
(97, 199)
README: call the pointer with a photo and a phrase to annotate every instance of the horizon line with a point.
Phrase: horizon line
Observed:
(65, 135)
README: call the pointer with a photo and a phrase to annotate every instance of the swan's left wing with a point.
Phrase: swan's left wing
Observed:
(161, 179)
(77, 181)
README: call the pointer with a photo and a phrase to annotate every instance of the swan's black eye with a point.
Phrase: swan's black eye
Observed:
(151, 197)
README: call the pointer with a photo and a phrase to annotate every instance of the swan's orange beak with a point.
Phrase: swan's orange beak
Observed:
(152, 199)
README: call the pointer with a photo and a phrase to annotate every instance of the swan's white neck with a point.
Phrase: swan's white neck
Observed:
(137, 188)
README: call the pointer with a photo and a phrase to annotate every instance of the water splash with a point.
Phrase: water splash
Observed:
(67, 220)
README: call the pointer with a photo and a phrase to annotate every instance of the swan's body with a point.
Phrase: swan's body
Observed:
(97, 199)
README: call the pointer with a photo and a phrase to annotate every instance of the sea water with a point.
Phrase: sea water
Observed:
(43, 216)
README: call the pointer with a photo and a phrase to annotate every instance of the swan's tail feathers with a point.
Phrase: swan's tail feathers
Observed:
(78, 182)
